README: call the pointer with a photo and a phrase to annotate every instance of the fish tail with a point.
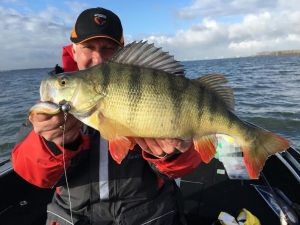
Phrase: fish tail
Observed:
(260, 148)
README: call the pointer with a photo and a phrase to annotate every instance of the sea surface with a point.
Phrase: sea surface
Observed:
(266, 89)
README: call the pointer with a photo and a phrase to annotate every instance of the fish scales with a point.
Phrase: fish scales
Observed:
(146, 96)
(134, 93)
(153, 109)
(138, 94)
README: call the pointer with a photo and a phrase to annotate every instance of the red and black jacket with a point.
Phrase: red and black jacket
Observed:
(137, 191)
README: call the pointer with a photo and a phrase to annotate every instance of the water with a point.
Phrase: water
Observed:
(266, 93)
(19, 90)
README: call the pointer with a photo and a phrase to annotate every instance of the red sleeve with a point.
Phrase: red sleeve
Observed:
(68, 61)
(184, 164)
(33, 161)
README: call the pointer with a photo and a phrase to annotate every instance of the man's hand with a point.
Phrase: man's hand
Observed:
(51, 127)
(160, 147)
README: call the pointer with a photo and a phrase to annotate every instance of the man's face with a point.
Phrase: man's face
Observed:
(94, 51)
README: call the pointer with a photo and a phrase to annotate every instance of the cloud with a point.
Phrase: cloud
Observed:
(209, 29)
(27, 40)
(35, 39)
(224, 8)
(270, 27)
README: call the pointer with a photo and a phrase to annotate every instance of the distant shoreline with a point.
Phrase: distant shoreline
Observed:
(276, 53)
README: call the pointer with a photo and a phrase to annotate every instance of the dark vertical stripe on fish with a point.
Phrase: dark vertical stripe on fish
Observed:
(154, 78)
(106, 71)
(200, 100)
(213, 103)
(231, 120)
(134, 90)
(177, 99)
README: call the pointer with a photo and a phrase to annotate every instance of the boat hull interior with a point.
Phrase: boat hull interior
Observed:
(206, 193)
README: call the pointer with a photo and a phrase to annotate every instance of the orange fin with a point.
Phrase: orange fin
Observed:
(119, 147)
(265, 145)
(206, 146)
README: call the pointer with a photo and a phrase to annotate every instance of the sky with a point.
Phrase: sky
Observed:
(33, 32)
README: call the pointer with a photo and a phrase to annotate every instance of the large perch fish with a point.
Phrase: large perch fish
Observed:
(142, 92)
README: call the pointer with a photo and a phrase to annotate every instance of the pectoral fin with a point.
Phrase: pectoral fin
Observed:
(118, 145)
(206, 146)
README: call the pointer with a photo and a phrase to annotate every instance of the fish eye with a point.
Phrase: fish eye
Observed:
(63, 81)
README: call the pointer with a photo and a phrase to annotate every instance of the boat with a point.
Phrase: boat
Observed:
(211, 189)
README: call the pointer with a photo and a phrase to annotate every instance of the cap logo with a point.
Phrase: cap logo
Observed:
(100, 19)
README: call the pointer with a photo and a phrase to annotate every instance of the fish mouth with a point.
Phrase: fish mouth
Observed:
(47, 92)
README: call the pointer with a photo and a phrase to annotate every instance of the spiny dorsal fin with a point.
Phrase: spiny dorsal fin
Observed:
(147, 55)
(214, 82)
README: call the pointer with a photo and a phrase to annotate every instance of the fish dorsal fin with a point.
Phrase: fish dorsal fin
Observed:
(214, 82)
(147, 55)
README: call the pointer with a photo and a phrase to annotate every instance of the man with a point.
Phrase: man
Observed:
(96, 189)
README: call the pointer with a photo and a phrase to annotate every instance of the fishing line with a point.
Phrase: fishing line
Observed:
(282, 208)
(65, 108)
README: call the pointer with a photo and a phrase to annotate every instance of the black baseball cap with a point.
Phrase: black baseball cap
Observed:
(96, 23)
